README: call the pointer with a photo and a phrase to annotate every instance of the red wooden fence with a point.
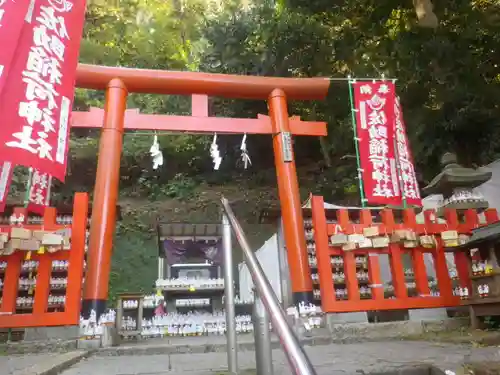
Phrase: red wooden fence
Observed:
(42, 313)
(376, 299)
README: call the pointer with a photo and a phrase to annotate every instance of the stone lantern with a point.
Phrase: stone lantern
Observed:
(456, 184)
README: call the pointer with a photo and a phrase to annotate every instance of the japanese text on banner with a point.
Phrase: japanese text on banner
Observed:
(5, 180)
(39, 193)
(409, 184)
(38, 93)
(374, 105)
(12, 19)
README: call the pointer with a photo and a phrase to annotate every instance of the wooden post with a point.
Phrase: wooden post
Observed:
(417, 256)
(439, 257)
(395, 259)
(102, 227)
(288, 188)
(351, 280)
(44, 267)
(11, 278)
(461, 262)
(75, 268)
(321, 240)
(491, 215)
(376, 284)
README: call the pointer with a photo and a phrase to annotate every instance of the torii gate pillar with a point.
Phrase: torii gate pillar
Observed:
(291, 208)
(102, 225)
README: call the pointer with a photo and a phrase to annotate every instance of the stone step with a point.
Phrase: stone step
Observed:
(40, 364)
(378, 358)
(197, 344)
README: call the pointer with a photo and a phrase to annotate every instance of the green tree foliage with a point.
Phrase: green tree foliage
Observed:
(448, 78)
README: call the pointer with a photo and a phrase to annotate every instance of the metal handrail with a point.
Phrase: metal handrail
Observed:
(297, 357)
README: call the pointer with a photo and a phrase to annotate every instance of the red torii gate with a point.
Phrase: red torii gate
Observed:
(114, 119)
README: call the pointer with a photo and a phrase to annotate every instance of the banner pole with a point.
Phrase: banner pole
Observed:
(358, 162)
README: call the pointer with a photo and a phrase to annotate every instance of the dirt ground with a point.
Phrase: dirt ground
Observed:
(464, 336)
(483, 369)
(475, 338)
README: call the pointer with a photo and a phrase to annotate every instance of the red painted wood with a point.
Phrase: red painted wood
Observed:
(438, 254)
(393, 304)
(321, 240)
(491, 215)
(461, 261)
(395, 259)
(198, 123)
(36, 320)
(76, 263)
(463, 267)
(374, 274)
(417, 257)
(351, 281)
(401, 300)
(39, 317)
(199, 105)
(442, 273)
(471, 221)
(11, 282)
(42, 288)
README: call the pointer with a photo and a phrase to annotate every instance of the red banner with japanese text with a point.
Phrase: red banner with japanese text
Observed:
(39, 192)
(5, 180)
(12, 15)
(37, 98)
(406, 168)
(374, 108)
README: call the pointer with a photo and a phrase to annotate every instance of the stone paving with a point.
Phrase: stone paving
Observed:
(38, 364)
(206, 356)
(332, 359)
(12, 364)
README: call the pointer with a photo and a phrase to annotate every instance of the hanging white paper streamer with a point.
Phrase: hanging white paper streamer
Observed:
(156, 153)
(215, 154)
(245, 158)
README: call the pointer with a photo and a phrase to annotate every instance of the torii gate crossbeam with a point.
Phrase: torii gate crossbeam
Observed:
(134, 120)
(118, 82)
